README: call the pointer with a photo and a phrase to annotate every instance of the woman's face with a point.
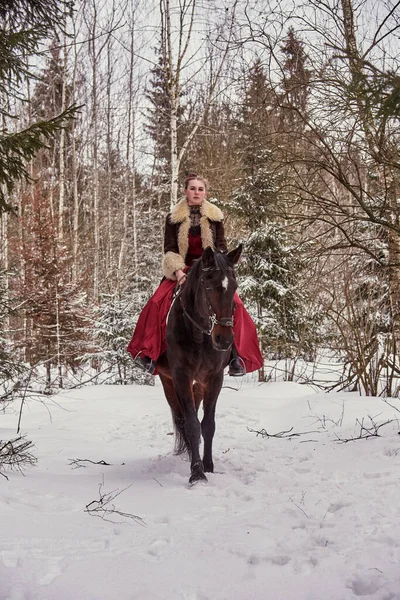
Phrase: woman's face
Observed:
(195, 192)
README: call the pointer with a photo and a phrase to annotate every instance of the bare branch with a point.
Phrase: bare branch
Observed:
(105, 509)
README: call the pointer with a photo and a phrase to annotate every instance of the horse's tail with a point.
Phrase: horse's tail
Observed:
(181, 441)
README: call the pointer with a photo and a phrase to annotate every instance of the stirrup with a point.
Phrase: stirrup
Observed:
(145, 363)
(237, 367)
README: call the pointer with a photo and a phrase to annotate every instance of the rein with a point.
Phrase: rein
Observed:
(224, 322)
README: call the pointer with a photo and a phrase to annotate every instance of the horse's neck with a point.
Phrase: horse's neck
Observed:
(189, 295)
(192, 302)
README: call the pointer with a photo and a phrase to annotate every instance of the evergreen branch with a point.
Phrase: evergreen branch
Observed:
(16, 149)
(22, 14)
(14, 47)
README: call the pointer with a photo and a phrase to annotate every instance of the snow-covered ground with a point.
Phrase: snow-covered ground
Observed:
(300, 518)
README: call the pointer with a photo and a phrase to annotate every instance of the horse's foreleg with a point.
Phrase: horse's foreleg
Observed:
(184, 391)
(181, 443)
(211, 394)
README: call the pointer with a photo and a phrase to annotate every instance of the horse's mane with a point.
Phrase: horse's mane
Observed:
(193, 286)
(221, 264)
(194, 271)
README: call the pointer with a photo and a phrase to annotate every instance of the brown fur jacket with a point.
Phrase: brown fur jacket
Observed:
(176, 240)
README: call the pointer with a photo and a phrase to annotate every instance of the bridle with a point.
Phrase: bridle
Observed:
(224, 321)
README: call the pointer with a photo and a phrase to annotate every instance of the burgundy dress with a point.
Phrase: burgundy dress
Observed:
(150, 331)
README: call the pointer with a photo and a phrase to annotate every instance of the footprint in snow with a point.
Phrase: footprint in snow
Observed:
(192, 594)
(391, 451)
(158, 546)
(10, 558)
(53, 570)
(375, 475)
(336, 506)
(366, 583)
(305, 567)
(278, 560)
(302, 470)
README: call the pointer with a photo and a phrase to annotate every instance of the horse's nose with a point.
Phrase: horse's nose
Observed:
(221, 341)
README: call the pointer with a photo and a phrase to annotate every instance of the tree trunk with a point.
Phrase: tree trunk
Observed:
(176, 48)
(109, 251)
(58, 337)
(130, 193)
(96, 216)
(394, 259)
(75, 222)
(174, 150)
(61, 198)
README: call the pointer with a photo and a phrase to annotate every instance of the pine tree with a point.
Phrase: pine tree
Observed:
(257, 198)
(272, 266)
(47, 100)
(212, 152)
(270, 280)
(54, 309)
(296, 80)
(158, 126)
(25, 24)
(114, 321)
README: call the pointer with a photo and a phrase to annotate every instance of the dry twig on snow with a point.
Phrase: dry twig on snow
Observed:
(366, 432)
(77, 463)
(15, 454)
(104, 507)
(280, 434)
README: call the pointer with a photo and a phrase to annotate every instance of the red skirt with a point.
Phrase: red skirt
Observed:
(150, 331)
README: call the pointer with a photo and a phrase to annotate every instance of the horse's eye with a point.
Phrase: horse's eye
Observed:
(208, 288)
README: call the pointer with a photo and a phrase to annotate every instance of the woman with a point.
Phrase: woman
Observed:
(193, 224)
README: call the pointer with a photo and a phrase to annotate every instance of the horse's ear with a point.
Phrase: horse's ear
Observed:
(234, 255)
(208, 258)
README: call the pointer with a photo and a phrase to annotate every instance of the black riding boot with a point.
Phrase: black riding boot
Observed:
(236, 364)
(145, 363)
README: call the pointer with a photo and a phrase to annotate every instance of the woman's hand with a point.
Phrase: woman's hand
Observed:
(180, 276)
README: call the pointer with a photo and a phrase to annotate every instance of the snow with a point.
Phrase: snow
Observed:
(301, 518)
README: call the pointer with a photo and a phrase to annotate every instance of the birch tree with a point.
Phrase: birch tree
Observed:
(130, 196)
(94, 53)
(185, 57)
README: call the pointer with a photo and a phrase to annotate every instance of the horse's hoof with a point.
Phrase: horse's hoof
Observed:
(196, 477)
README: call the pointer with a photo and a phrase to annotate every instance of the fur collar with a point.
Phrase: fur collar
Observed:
(181, 211)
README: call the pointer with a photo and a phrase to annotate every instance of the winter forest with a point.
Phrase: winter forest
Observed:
(290, 109)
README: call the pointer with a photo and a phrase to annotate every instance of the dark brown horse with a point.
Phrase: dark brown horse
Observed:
(199, 340)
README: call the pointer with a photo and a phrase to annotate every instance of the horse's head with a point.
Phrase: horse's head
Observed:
(219, 282)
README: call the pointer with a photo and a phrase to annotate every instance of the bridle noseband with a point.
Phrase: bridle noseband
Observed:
(224, 321)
